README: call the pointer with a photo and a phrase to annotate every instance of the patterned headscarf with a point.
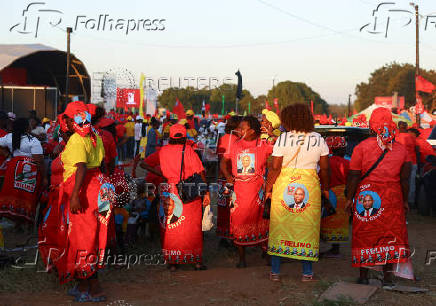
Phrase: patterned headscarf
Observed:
(381, 123)
(78, 111)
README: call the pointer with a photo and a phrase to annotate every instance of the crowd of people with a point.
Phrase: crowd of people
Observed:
(281, 187)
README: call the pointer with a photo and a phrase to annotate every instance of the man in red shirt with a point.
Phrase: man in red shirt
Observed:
(409, 142)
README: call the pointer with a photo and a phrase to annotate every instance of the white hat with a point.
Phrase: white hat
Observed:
(12, 116)
(138, 117)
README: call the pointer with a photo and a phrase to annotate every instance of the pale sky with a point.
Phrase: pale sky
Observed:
(318, 42)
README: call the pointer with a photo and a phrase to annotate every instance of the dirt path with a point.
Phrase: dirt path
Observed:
(222, 284)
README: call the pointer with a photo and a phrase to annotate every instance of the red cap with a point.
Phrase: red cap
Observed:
(177, 131)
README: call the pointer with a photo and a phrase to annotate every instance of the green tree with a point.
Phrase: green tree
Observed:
(392, 78)
(289, 92)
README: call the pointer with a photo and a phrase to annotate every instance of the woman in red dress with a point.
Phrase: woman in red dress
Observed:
(87, 196)
(225, 143)
(380, 200)
(181, 230)
(247, 159)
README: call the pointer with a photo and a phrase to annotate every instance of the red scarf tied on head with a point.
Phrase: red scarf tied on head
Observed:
(381, 123)
(78, 111)
(62, 123)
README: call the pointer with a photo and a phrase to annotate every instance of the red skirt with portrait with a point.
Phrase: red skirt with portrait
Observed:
(247, 225)
(182, 239)
(21, 188)
(379, 237)
(87, 230)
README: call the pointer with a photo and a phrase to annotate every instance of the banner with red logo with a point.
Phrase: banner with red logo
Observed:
(127, 97)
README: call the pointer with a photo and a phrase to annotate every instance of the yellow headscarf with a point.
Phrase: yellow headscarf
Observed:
(272, 117)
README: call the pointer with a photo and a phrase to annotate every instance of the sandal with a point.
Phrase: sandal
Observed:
(274, 277)
(308, 278)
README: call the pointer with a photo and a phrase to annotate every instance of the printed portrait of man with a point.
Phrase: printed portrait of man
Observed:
(368, 205)
(299, 196)
(168, 208)
(246, 165)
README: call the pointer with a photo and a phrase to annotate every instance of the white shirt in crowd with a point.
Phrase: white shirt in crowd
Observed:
(29, 145)
(138, 131)
(221, 127)
(39, 130)
(313, 146)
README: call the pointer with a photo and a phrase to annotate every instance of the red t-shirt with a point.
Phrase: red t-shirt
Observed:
(408, 141)
(225, 143)
(170, 159)
(367, 152)
(110, 148)
(120, 130)
(339, 170)
(3, 133)
(153, 161)
(249, 158)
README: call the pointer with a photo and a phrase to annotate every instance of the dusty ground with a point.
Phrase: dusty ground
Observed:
(222, 284)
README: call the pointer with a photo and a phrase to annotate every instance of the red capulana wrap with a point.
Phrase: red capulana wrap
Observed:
(20, 190)
(380, 231)
(87, 231)
(181, 232)
(52, 232)
(247, 225)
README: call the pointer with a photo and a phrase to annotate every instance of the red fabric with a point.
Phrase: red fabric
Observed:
(425, 148)
(52, 232)
(381, 123)
(74, 108)
(425, 133)
(225, 143)
(409, 143)
(3, 133)
(153, 161)
(424, 85)
(191, 123)
(120, 130)
(339, 170)
(177, 129)
(247, 225)
(182, 241)
(170, 158)
(87, 230)
(223, 212)
(92, 109)
(267, 105)
(366, 153)
(381, 237)
(179, 110)
(110, 148)
(276, 105)
(20, 190)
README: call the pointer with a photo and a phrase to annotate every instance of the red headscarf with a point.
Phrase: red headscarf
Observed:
(381, 123)
(78, 111)
(62, 123)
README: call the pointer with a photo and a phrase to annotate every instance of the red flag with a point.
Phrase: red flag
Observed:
(311, 106)
(179, 110)
(419, 108)
(120, 98)
(276, 105)
(424, 85)
(207, 107)
(267, 105)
